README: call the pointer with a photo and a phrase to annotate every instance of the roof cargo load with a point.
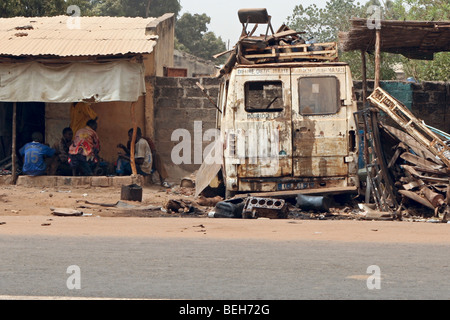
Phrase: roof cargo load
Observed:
(283, 46)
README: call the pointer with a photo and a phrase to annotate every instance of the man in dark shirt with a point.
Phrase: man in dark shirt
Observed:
(61, 165)
(34, 154)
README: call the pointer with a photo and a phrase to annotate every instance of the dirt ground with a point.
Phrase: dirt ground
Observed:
(101, 212)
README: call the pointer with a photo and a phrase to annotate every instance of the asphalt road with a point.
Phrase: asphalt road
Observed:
(148, 268)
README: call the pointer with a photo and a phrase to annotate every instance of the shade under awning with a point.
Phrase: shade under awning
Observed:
(413, 39)
(71, 82)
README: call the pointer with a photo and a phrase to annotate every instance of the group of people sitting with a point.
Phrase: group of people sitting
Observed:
(78, 155)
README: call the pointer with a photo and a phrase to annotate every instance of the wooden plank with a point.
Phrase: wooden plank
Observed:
(414, 196)
(400, 114)
(411, 143)
(377, 58)
(413, 171)
(418, 160)
(283, 34)
(133, 139)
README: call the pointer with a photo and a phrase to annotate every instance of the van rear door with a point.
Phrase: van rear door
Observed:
(319, 123)
(263, 122)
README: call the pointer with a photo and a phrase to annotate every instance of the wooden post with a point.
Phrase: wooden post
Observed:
(377, 58)
(14, 138)
(133, 139)
(364, 76)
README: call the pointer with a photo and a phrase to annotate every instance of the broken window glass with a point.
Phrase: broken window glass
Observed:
(264, 96)
(318, 95)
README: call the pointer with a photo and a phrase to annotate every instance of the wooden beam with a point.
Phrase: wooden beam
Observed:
(377, 58)
(364, 76)
(133, 139)
(14, 142)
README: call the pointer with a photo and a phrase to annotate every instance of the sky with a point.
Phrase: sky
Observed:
(224, 14)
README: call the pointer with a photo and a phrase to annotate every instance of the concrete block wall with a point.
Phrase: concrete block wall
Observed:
(430, 101)
(180, 104)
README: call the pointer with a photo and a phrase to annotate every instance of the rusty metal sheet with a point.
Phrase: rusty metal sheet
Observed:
(320, 167)
(209, 168)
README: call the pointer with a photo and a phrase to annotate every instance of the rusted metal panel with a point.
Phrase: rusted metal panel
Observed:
(315, 166)
(263, 146)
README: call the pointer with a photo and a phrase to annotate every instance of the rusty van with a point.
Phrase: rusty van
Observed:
(286, 117)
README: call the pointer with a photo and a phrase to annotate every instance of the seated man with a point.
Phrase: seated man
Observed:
(62, 166)
(34, 154)
(142, 156)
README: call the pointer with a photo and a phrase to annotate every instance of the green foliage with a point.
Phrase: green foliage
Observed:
(437, 69)
(135, 8)
(323, 25)
(426, 10)
(192, 36)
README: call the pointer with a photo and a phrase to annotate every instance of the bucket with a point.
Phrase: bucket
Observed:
(131, 192)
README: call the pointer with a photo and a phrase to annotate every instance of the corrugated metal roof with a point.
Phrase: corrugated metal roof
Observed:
(36, 36)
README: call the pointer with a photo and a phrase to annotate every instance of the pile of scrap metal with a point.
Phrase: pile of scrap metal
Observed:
(284, 45)
(407, 161)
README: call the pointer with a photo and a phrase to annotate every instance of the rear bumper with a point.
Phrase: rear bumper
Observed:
(299, 185)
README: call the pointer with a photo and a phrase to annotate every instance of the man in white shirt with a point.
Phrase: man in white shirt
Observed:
(142, 156)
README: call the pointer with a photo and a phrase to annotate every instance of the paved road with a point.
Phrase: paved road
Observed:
(127, 267)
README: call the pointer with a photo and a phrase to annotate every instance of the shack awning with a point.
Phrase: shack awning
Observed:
(413, 39)
(71, 82)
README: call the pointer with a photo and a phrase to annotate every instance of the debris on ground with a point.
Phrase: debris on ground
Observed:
(413, 162)
(66, 212)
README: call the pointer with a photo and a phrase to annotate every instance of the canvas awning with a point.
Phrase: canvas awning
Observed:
(71, 82)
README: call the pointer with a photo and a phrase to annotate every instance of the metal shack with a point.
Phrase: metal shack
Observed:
(49, 64)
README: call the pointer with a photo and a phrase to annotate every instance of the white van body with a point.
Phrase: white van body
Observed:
(289, 126)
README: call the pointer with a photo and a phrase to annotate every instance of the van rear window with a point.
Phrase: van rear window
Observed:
(264, 96)
(318, 95)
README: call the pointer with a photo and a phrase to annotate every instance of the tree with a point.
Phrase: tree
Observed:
(38, 8)
(192, 36)
(437, 69)
(135, 8)
(323, 24)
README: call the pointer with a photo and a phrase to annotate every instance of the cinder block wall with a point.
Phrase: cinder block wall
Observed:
(430, 101)
(179, 104)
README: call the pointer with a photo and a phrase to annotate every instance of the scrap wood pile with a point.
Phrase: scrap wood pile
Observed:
(418, 160)
(284, 45)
